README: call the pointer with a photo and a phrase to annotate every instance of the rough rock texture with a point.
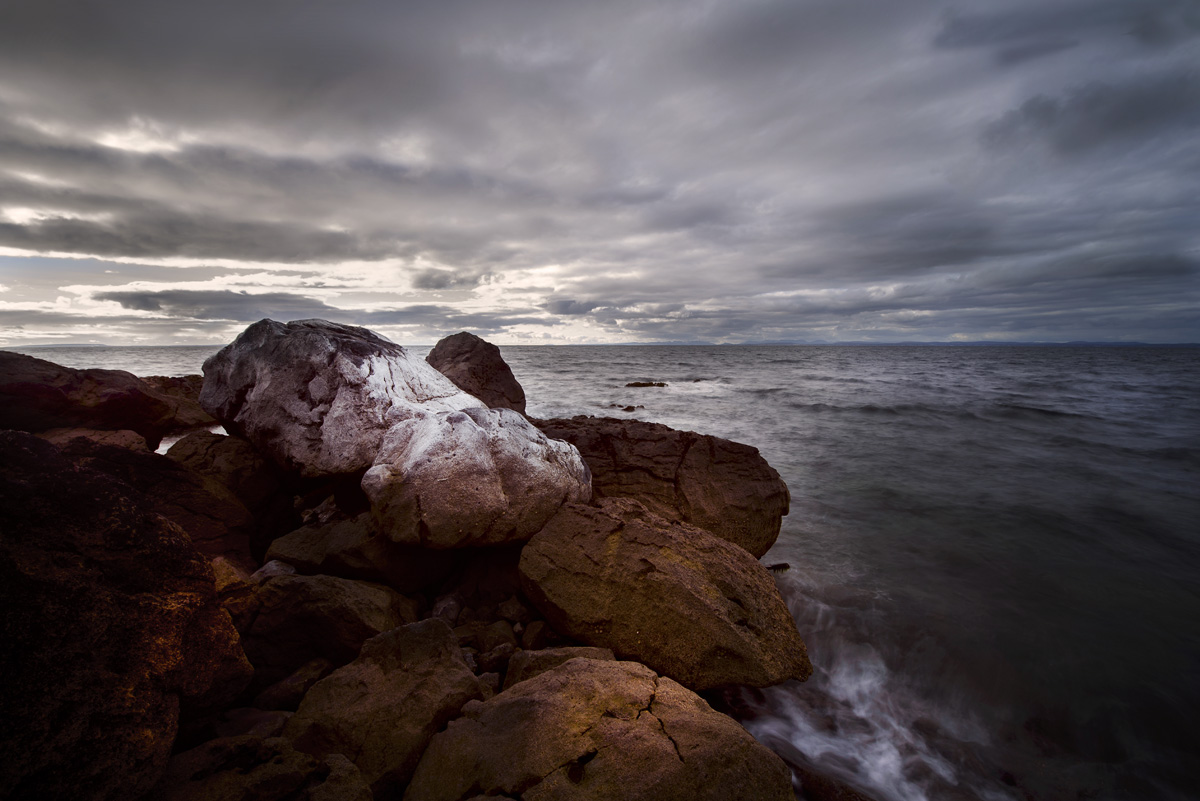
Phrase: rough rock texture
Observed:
(300, 618)
(249, 768)
(122, 439)
(527, 664)
(317, 397)
(37, 395)
(217, 522)
(472, 477)
(383, 708)
(110, 627)
(355, 548)
(287, 693)
(476, 366)
(234, 464)
(715, 484)
(591, 729)
(185, 390)
(688, 604)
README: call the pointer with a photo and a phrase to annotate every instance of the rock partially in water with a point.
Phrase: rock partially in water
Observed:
(721, 486)
(591, 729)
(112, 630)
(476, 366)
(317, 397)
(471, 477)
(684, 602)
(37, 395)
(384, 707)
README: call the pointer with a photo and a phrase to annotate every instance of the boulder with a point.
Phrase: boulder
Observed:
(527, 664)
(37, 395)
(384, 707)
(233, 463)
(301, 618)
(111, 631)
(250, 768)
(684, 602)
(721, 486)
(591, 729)
(471, 477)
(185, 390)
(287, 693)
(122, 439)
(317, 397)
(218, 523)
(355, 548)
(476, 366)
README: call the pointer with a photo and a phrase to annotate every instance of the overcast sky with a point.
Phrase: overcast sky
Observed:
(606, 171)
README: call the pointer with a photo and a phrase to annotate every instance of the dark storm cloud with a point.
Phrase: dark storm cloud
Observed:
(1097, 114)
(220, 304)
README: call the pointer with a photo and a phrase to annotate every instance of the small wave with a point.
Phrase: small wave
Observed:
(1018, 410)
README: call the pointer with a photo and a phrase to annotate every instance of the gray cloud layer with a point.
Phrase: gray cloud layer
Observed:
(727, 171)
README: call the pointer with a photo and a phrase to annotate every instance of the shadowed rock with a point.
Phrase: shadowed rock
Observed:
(383, 708)
(591, 729)
(185, 390)
(317, 397)
(473, 477)
(476, 366)
(527, 664)
(721, 486)
(111, 631)
(684, 602)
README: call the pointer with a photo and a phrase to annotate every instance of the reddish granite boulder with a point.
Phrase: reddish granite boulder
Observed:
(476, 366)
(111, 631)
(37, 395)
(674, 597)
(721, 486)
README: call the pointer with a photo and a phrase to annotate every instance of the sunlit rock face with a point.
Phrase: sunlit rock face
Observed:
(317, 397)
(472, 477)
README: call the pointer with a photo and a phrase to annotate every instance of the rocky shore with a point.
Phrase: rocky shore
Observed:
(386, 582)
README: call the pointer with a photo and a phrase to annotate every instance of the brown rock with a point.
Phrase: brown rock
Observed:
(383, 708)
(111, 631)
(122, 439)
(185, 390)
(250, 768)
(689, 605)
(714, 484)
(355, 548)
(527, 664)
(301, 618)
(287, 693)
(591, 729)
(37, 395)
(476, 366)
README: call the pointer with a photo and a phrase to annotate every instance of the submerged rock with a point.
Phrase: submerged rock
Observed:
(111, 630)
(476, 366)
(317, 397)
(471, 477)
(384, 707)
(684, 602)
(721, 486)
(591, 729)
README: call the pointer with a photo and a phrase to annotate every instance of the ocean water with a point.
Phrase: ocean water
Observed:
(995, 551)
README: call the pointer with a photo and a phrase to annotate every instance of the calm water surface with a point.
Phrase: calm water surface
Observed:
(995, 550)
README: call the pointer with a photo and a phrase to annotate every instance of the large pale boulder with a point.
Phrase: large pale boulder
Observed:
(476, 366)
(111, 631)
(677, 598)
(384, 707)
(317, 397)
(471, 477)
(300, 618)
(721, 486)
(589, 730)
(37, 395)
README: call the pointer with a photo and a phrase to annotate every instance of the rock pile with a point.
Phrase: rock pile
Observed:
(379, 587)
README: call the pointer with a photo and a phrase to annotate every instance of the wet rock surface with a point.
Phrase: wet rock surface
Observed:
(469, 478)
(111, 630)
(476, 367)
(591, 729)
(724, 487)
(684, 602)
(317, 397)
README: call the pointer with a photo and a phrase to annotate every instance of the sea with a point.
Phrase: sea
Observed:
(994, 552)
